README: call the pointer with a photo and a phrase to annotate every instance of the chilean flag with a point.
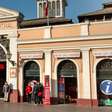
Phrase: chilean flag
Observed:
(46, 8)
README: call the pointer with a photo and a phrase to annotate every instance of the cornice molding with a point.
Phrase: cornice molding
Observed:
(81, 38)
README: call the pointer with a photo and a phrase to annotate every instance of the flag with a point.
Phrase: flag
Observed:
(46, 8)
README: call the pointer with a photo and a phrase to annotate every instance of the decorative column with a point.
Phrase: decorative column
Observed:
(85, 96)
(48, 61)
(12, 66)
(20, 78)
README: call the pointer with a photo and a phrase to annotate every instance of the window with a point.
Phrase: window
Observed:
(53, 8)
(49, 9)
(40, 10)
(67, 68)
(44, 9)
(58, 8)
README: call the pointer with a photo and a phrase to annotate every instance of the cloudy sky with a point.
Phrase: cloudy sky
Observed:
(74, 8)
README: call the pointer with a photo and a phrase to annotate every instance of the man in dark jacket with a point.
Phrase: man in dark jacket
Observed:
(40, 93)
(35, 92)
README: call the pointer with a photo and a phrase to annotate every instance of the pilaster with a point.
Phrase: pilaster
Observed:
(86, 73)
(85, 97)
(48, 62)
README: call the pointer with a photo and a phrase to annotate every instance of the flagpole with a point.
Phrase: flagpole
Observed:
(47, 12)
(48, 20)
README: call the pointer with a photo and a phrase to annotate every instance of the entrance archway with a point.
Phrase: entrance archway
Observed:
(103, 72)
(67, 82)
(2, 70)
(31, 74)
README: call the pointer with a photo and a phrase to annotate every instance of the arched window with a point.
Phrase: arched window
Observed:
(31, 71)
(40, 10)
(44, 9)
(58, 8)
(49, 9)
(2, 54)
(67, 69)
(104, 69)
(53, 8)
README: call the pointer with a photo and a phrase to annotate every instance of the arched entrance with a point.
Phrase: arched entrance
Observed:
(67, 82)
(103, 72)
(2, 70)
(31, 73)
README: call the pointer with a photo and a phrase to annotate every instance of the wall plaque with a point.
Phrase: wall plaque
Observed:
(13, 72)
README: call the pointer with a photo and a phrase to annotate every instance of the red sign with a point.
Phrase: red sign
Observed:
(46, 90)
(2, 66)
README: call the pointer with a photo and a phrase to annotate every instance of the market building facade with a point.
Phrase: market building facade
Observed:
(76, 57)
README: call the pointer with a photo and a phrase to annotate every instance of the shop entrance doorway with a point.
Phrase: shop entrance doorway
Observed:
(67, 82)
(31, 75)
(2, 77)
(2, 71)
(104, 74)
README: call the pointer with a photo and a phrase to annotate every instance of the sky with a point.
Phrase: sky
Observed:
(74, 8)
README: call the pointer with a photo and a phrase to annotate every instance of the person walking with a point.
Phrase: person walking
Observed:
(28, 91)
(40, 93)
(6, 90)
(35, 92)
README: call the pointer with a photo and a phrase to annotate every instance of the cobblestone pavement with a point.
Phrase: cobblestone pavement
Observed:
(24, 107)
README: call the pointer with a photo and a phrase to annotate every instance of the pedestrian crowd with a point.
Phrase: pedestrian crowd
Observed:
(34, 92)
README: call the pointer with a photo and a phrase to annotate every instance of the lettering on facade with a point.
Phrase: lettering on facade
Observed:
(102, 53)
(5, 26)
(32, 55)
(67, 54)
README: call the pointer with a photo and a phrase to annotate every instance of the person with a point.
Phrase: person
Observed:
(40, 93)
(32, 95)
(35, 92)
(6, 90)
(28, 91)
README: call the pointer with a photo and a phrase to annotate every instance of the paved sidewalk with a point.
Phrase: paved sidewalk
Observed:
(25, 107)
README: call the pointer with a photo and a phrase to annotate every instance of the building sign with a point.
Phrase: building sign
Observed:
(106, 87)
(32, 55)
(5, 26)
(67, 54)
(13, 72)
(103, 53)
